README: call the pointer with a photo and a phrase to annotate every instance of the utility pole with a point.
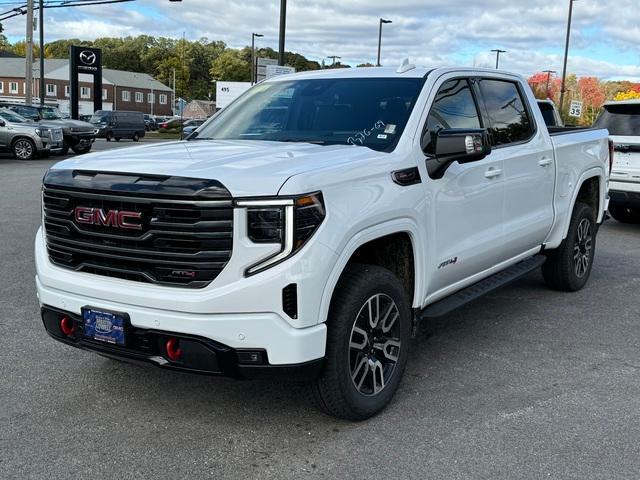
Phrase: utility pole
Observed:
(566, 55)
(334, 57)
(283, 29)
(41, 32)
(382, 20)
(498, 52)
(173, 94)
(28, 94)
(549, 73)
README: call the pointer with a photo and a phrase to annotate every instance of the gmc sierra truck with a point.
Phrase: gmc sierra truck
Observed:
(622, 119)
(306, 229)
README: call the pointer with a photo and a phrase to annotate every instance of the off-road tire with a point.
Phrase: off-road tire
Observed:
(625, 214)
(561, 270)
(334, 391)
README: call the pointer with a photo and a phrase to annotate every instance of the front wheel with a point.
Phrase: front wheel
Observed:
(24, 149)
(81, 150)
(136, 137)
(625, 214)
(568, 267)
(109, 136)
(367, 344)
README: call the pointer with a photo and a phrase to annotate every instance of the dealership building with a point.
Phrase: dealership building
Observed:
(120, 90)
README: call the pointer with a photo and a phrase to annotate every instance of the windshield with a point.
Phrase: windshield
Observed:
(99, 118)
(51, 113)
(621, 119)
(370, 112)
(13, 117)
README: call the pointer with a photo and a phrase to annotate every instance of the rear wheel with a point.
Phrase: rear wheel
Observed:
(117, 139)
(367, 344)
(109, 136)
(625, 214)
(568, 267)
(136, 137)
(24, 149)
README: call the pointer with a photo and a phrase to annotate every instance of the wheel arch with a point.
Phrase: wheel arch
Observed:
(369, 246)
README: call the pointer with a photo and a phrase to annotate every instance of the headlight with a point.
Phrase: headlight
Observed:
(289, 222)
(42, 133)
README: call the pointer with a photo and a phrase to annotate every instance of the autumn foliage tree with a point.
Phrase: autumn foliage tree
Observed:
(593, 94)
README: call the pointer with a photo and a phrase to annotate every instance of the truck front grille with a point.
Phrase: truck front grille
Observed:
(172, 241)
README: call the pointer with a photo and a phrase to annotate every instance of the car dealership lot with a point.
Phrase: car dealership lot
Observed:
(525, 383)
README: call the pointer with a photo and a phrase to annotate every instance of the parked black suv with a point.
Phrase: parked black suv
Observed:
(78, 136)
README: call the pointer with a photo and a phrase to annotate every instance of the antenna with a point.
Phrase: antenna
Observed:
(405, 66)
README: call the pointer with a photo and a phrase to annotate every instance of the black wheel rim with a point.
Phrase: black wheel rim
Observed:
(582, 248)
(374, 345)
(23, 149)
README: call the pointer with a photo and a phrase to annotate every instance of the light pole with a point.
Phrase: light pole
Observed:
(498, 52)
(28, 94)
(566, 55)
(283, 29)
(254, 70)
(549, 73)
(41, 32)
(382, 20)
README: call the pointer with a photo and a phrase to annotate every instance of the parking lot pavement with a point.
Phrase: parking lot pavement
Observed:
(525, 383)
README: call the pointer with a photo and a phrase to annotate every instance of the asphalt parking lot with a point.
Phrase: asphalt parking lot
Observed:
(525, 383)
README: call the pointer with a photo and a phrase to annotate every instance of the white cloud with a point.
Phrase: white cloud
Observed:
(604, 37)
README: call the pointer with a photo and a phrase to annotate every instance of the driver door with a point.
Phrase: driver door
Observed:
(468, 201)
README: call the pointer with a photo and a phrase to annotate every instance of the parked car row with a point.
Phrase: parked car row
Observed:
(27, 139)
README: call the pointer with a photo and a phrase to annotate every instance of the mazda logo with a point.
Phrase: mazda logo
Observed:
(87, 57)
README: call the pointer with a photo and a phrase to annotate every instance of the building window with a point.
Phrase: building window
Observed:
(139, 97)
(67, 91)
(1, 87)
(163, 99)
(13, 87)
(126, 96)
(104, 94)
(52, 90)
(151, 97)
(85, 92)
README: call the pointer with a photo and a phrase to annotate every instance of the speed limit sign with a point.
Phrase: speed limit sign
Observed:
(575, 109)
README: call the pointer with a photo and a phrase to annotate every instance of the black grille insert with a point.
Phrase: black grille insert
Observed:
(186, 234)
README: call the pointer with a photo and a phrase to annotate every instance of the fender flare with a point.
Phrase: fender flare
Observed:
(589, 174)
(400, 225)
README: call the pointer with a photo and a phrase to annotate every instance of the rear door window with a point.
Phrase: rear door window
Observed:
(509, 119)
(622, 119)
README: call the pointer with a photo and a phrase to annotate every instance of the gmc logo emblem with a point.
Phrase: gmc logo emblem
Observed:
(110, 218)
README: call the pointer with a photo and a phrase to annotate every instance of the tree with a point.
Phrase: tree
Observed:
(231, 65)
(368, 64)
(628, 95)
(593, 94)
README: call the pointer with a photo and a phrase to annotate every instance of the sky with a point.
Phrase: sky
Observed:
(605, 38)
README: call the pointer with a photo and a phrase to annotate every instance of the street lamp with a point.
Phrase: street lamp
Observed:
(382, 20)
(254, 70)
(549, 73)
(498, 52)
(283, 28)
(566, 55)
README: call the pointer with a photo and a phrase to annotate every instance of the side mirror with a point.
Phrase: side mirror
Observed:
(457, 145)
(3, 123)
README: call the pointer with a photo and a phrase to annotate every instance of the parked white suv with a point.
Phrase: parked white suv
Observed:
(306, 228)
(622, 119)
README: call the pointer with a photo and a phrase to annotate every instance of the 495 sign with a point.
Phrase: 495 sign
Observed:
(575, 109)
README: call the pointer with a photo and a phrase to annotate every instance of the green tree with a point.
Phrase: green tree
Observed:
(231, 65)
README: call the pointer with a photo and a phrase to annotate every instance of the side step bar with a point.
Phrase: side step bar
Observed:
(483, 287)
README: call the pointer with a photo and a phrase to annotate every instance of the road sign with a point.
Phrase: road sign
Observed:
(227, 92)
(261, 66)
(275, 70)
(575, 109)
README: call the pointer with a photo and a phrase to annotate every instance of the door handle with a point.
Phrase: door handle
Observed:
(493, 172)
(545, 161)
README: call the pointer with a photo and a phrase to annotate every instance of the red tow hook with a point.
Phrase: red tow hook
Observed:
(173, 351)
(67, 326)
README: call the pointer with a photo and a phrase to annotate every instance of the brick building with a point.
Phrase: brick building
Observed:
(120, 90)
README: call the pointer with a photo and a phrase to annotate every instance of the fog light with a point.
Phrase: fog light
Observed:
(248, 357)
(173, 350)
(67, 326)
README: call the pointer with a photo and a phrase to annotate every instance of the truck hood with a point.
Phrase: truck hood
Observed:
(68, 123)
(245, 167)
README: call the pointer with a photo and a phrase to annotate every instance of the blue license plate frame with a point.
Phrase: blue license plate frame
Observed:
(105, 326)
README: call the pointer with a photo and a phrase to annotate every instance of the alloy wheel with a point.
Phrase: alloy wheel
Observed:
(374, 345)
(23, 149)
(582, 248)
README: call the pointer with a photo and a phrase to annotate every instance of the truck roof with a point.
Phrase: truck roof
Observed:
(622, 102)
(383, 72)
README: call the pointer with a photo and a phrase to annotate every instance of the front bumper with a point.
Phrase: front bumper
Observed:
(198, 354)
(80, 139)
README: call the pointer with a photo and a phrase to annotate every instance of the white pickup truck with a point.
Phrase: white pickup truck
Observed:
(622, 119)
(308, 227)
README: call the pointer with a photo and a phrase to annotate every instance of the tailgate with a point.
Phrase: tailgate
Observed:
(626, 159)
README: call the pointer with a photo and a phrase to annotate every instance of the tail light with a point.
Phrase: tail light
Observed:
(611, 152)
(290, 222)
